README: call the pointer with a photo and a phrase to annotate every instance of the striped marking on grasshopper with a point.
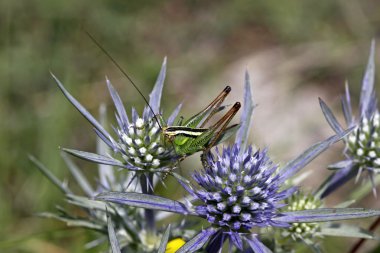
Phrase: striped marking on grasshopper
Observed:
(192, 136)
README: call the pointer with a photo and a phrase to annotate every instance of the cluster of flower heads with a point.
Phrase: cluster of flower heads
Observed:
(244, 197)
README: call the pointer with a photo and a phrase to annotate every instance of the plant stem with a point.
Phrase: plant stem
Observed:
(146, 182)
(359, 243)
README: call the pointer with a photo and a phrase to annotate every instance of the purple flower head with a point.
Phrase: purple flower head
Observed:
(361, 152)
(239, 190)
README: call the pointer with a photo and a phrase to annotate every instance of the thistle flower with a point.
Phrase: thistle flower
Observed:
(361, 152)
(299, 233)
(239, 190)
(297, 202)
(138, 141)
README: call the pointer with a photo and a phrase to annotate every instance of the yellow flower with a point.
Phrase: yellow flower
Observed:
(174, 245)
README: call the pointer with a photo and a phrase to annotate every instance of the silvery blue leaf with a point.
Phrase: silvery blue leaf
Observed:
(307, 156)
(71, 222)
(63, 187)
(174, 115)
(333, 122)
(345, 230)
(78, 175)
(106, 173)
(346, 106)
(144, 201)
(95, 157)
(87, 203)
(164, 240)
(236, 240)
(336, 180)
(112, 236)
(118, 105)
(368, 83)
(256, 245)
(155, 95)
(215, 244)
(327, 214)
(197, 241)
(82, 110)
(246, 117)
(106, 140)
(340, 165)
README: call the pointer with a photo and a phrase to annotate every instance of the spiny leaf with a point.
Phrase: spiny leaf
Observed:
(112, 236)
(197, 241)
(333, 122)
(307, 156)
(82, 110)
(96, 158)
(78, 175)
(144, 201)
(245, 122)
(327, 214)
(73, 222)
(63, 187)
(345, 230)
(164, 240)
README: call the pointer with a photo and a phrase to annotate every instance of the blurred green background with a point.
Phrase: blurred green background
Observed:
(289, 47)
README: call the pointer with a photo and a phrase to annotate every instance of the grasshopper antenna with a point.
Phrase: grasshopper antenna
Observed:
(123, 72)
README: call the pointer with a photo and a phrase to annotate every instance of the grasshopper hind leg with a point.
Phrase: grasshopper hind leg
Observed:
(223, 123)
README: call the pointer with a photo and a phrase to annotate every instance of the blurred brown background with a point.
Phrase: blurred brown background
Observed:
(295, 52)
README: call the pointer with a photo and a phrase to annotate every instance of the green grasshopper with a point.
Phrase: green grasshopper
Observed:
(191, 136)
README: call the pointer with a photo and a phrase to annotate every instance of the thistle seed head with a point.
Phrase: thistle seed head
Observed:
(363, 143)
(298, 202)
(141, 145)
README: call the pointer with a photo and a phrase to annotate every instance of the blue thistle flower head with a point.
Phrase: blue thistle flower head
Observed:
(140, 143)
(239, 190)
(139, 139)
(139, 146)
(361, 151)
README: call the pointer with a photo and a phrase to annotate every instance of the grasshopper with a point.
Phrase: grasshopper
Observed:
(192, 135)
